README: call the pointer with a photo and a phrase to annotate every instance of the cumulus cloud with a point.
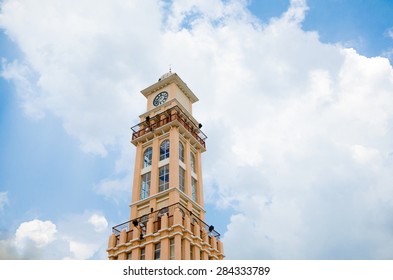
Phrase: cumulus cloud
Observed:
(300, 132)
(74, 45)
(300, 139)
(34, 239)
(40, 233)
(78, 236)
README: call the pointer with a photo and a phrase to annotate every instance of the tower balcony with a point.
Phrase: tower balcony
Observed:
(160, 123)
(164, 223)
(141, 223)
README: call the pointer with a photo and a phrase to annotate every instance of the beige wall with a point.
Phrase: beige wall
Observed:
(186, 238)
(173, 93)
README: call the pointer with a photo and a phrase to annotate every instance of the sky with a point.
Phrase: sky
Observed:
(296, 98)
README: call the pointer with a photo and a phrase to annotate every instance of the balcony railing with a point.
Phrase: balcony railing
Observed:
(169, 116)
(156, 217)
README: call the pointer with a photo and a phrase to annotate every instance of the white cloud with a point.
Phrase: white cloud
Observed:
(99, 222)
(41, 233)
(364, 155)
(117, 189)
(389, 32)
(3, 200)
(82, 251)
(79, 236)
(300, 138)
(7, 250)
(22, 76)
(296, 11)
(86, 235)
(84, 67)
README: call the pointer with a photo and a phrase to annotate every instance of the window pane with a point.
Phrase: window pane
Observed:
(145, 186)
(164, 150)
(193, 190)
(181, 151)
(172, 249)
(157, 251)
(147, 156)
(142, 253)
(192, 161)
(181, 179)
(164, 178)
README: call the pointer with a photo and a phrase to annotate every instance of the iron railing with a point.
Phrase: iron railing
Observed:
(141, 221)
(166, 117)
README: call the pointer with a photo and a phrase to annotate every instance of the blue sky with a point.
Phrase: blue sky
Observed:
(69, 92)
(359, 24)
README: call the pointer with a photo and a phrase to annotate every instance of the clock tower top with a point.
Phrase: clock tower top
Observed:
(169, 87)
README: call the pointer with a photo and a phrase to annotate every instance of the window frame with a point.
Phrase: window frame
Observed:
(182, 179)
(181, 151)
(157, 251)
(145, 185)
(172, 248)
(192, 162)
(164, 149)
(194, 192)
(163, 172)
(149, 151)
(143, 254)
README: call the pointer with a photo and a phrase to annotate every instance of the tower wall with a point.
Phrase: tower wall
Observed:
(167, 204)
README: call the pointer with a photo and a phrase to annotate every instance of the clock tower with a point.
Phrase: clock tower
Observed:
(167, 215)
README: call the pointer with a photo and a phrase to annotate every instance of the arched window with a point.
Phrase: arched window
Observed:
(147, 156)
(164, 150)
(192, 161)
(163, 211)
(181, 151)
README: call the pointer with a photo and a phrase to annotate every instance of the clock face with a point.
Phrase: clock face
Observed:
(160, 98)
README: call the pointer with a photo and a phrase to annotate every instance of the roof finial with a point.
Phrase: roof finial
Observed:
(170, 68)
